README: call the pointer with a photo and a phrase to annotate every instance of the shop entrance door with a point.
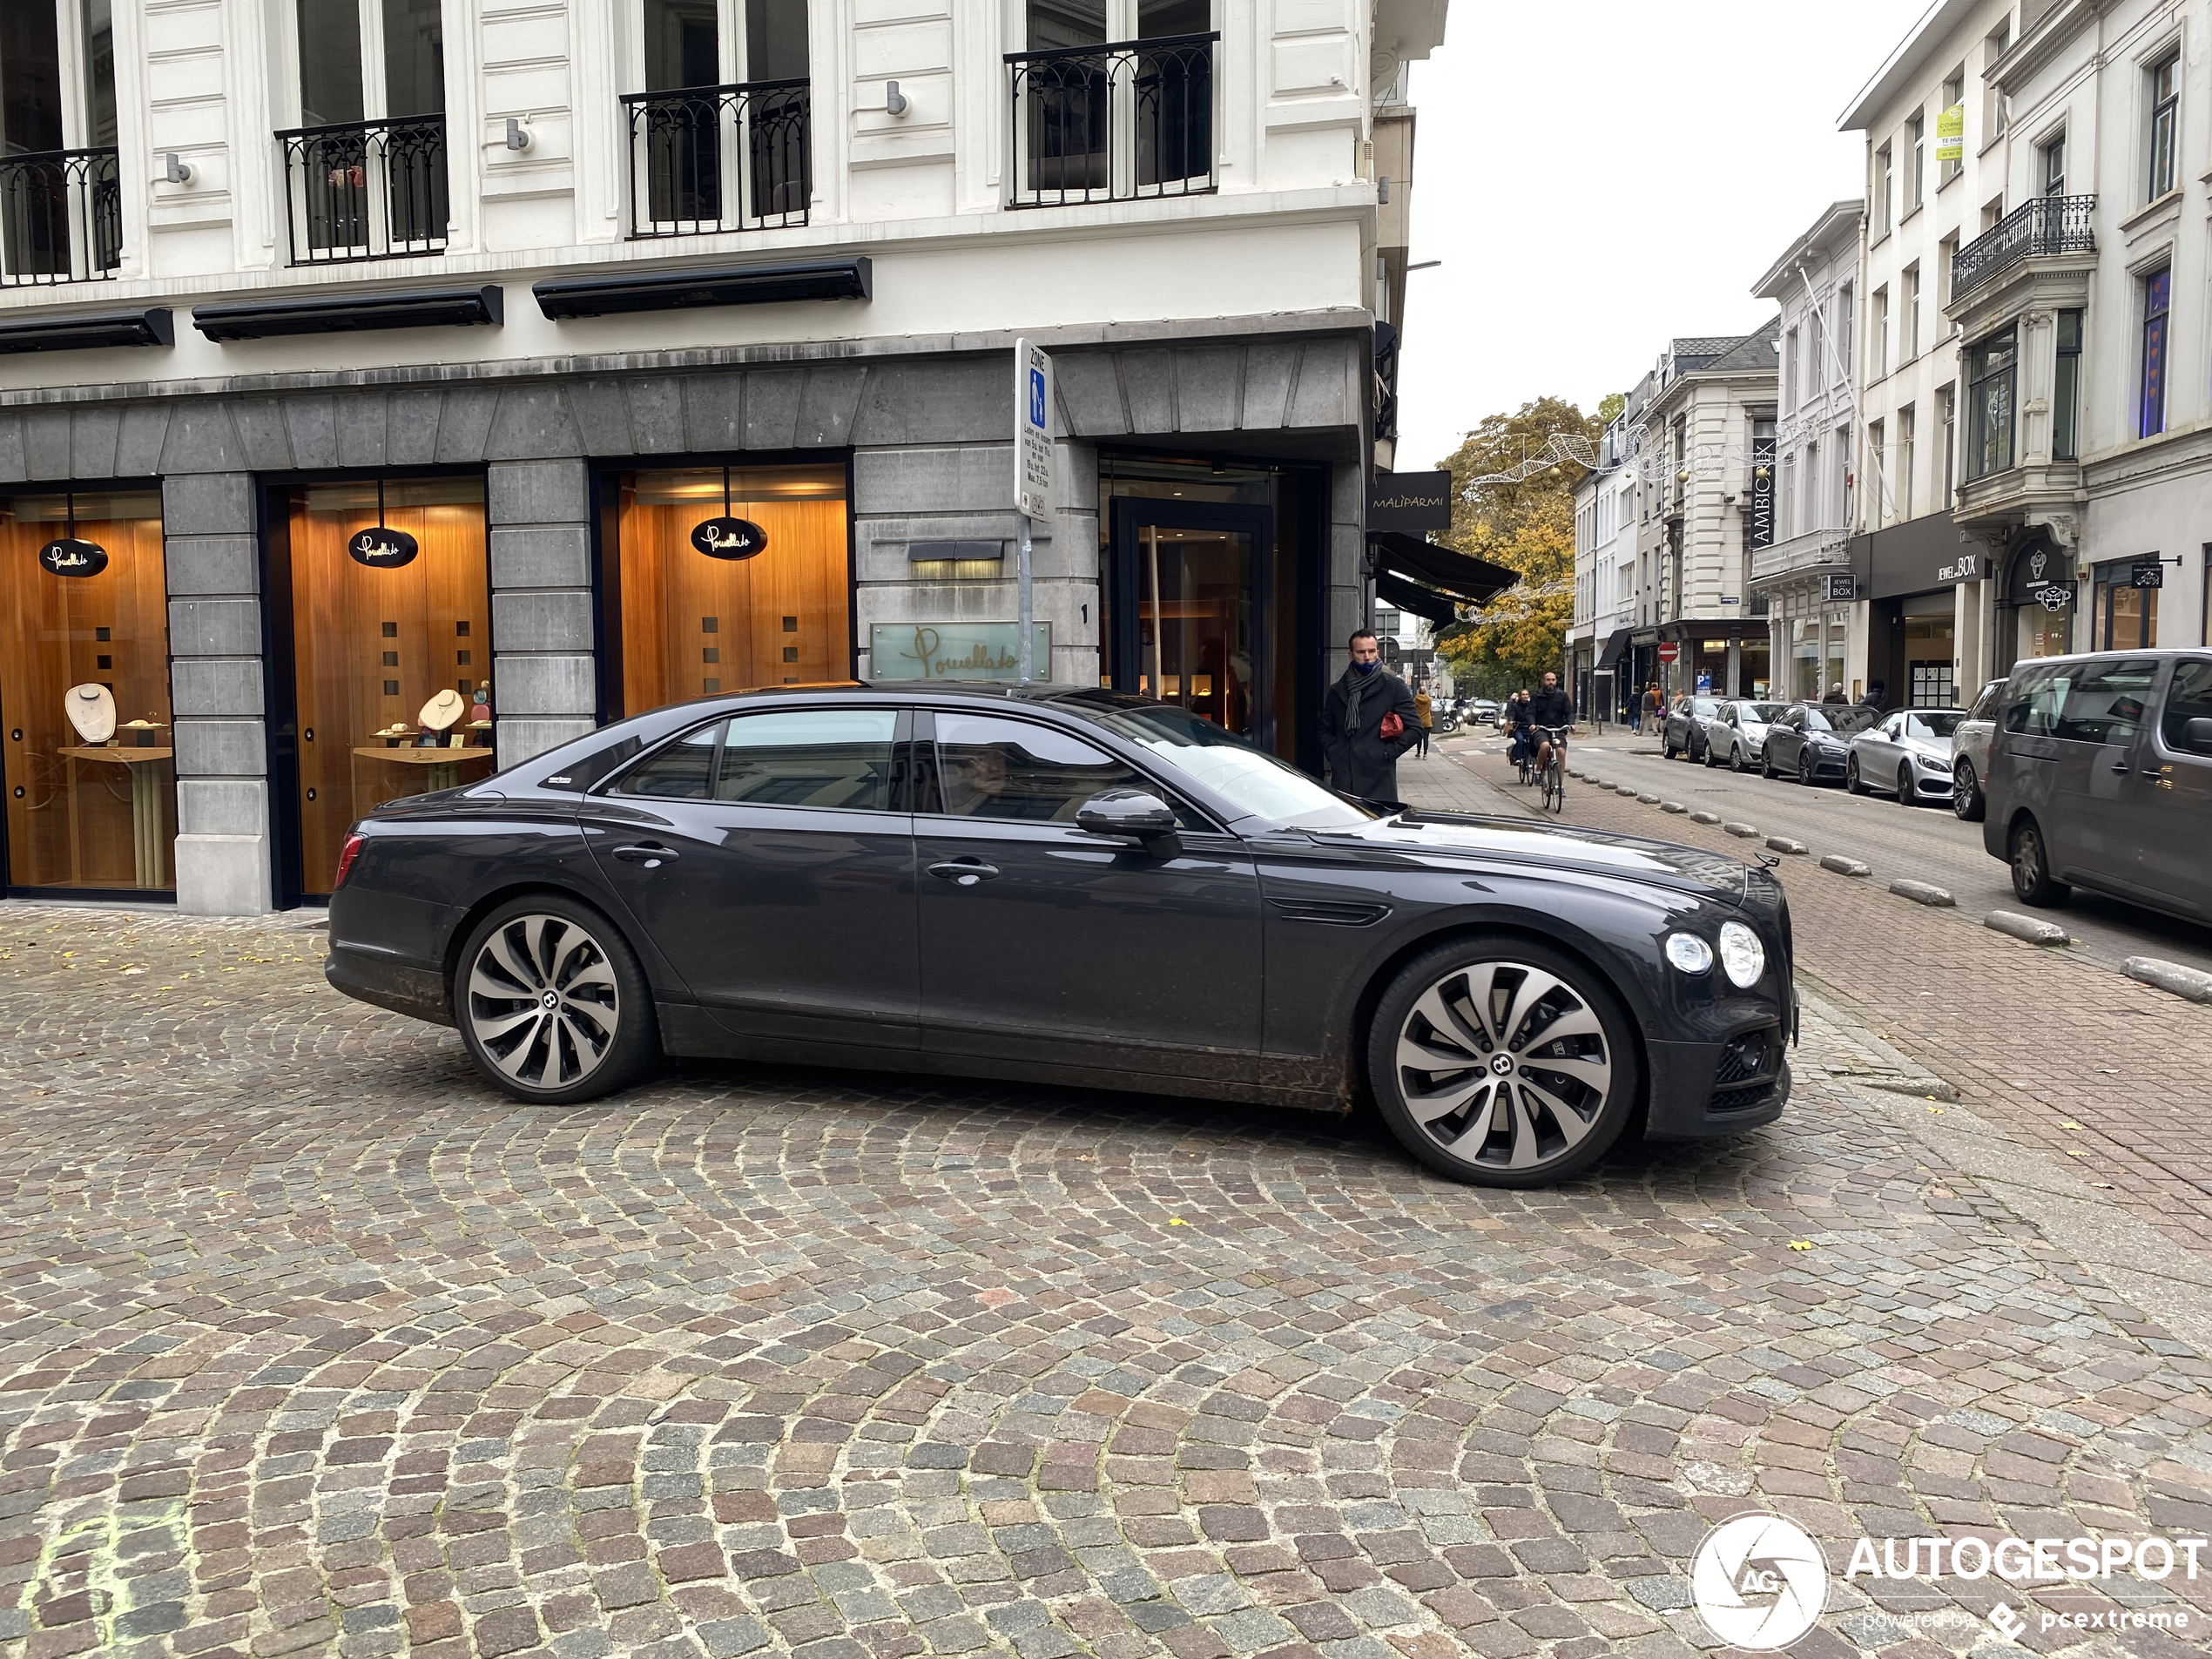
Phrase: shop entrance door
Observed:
(1930, 648)
(1193, 611)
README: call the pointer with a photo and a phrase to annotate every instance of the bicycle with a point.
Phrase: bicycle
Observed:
(1554, 772)
(1524, 755)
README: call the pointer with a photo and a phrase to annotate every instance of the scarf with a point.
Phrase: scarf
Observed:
(1355, 686)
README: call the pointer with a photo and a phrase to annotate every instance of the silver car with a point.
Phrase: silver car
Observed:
(1907, 754)
(1970, 755)
(1735, 733)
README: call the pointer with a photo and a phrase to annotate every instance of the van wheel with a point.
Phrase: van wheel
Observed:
(1966, 800)
(2032, 868)
(1503, 1063)
(551, 1002)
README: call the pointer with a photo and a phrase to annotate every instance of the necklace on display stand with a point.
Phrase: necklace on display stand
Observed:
(91, 711)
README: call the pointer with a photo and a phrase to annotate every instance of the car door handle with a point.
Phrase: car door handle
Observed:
(964, 872)
(651, 856)
(2121, 767)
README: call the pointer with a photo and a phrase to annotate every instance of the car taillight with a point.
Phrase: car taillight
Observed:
(346, 857)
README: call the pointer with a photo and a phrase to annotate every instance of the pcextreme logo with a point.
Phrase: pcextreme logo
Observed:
(1758, 1581)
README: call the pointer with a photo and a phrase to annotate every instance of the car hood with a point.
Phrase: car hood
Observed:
(1556, 847)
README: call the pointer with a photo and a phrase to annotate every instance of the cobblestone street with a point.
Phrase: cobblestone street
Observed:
(316, 1345)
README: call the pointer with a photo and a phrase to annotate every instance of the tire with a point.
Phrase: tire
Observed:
(1666, 747)
(1908, 792)
(2031, 865)
(1711, 759)
(1804, 771)
(1736, 763)
(1766, 764)
(596, 1037)
(1852, 781)
(1968, 804)
(1555, 1128)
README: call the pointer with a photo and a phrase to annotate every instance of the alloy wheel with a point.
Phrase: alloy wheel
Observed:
(1504, 1065)
(542, 1001)
(1963, 795)
(1908, 792)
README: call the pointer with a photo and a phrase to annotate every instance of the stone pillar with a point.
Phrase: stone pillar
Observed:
(214, 560)
(545, 681)
(1349, 591)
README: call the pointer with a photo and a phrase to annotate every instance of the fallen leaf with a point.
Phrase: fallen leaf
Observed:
(1799, 1244)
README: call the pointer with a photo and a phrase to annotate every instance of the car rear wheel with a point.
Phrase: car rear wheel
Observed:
(2031, 863)
(1966, 800)
(1502, 1062)
(552, 1003)
(1852, 781)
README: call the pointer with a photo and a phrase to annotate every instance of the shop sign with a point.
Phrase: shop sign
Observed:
(1032, 431)
(953, 650)
(1966, 568)
(2147, 573)
(1762, 526)
(1410, 501)
(381, 548)
(69, 556)
(1842, 585)
(729, 538)
(2042, 575)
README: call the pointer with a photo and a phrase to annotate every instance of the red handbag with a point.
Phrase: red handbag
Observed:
(1393, 728)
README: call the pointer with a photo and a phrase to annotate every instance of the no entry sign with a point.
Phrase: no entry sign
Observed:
(1668, 650)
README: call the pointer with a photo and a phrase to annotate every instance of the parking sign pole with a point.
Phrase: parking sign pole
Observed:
(1024, 602)
(1032, 483)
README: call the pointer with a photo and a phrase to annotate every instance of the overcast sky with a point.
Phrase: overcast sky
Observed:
(1598, 178)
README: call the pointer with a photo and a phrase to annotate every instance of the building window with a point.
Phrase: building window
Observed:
(1908, 346)
(1114, 99)
(2126, 617)
(1886, 190)
(1946, 263)
(1846, 337)
(1786, 511)
(1946, 434)
(2157, 296)
(1789, 371)
(2051, 164)
(1991, 367)
(1808, 484)
(1839, 446)
(1918, 129)
(2165, 116)
(1879, 323)
(1954, 97)
(2066, 386)
(1816, 353)
(1907, 428)
(1876, 437)
(2204, 635)
(1994, 45)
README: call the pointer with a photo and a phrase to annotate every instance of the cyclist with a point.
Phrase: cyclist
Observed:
(1516, 721)
(1550, 710)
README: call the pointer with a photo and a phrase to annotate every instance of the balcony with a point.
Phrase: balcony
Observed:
(1119, 123)
(2047, 225)
(707, 158)
(366, 190)
(1811, 551)
(61, 218)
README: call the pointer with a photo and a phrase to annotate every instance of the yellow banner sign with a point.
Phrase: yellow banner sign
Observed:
(1950, 134)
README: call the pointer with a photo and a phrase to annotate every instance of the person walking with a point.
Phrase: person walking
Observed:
(1425, 707)
(1368, 720)
(1649, 726)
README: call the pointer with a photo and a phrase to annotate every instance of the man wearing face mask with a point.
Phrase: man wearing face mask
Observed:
(1367, 721)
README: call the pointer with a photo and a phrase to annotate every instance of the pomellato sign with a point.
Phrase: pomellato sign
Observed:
(381, 548)
(69, 556)
(729, 538)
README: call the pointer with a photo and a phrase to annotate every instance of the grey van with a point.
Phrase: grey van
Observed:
(2100, 776)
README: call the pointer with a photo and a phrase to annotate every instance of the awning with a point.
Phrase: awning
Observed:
(1468, 581)
(1616, 647)
(1422, 602)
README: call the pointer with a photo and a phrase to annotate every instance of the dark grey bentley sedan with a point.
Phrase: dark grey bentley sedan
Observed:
(1069, 885)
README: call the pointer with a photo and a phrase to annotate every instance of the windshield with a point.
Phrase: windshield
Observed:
(1858, 717)
(1252, 780)
(1761, 713)
(1931, 723)
(1815, 721)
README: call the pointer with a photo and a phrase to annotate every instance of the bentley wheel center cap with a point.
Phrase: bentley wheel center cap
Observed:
(1501, 1064)
(551, 1000)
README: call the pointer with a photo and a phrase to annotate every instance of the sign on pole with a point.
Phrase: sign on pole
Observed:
(1032, 480)
(1668, 650)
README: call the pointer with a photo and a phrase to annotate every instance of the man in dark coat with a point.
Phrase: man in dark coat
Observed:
(1360, 762)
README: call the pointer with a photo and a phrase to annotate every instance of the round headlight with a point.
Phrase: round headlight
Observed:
(1741, 955)
(1688, 953)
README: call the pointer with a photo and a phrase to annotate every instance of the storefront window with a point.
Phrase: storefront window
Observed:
(87, 760)
(391, 650)
(726, 579)
(2126, 616)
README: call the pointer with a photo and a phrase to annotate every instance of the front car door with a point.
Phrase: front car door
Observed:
(768, 857)
(1879, 752)
(1786, 740)
(1052, 950)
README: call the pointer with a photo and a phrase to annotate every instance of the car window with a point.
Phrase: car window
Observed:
(990, 767)
(2189, 698)
(1933, 724)
(1848, 720)
(817, 758)
(1701, 706)
(2032, 701)
(1251, 780)
(1814, 721)
(683, 770)
(1985, 707)
(2104, 700)
(1760, 714)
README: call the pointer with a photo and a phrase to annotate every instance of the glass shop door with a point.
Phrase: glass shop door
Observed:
(1193, 611)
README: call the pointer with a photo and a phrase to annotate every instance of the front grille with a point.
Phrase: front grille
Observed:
(1742, 1100)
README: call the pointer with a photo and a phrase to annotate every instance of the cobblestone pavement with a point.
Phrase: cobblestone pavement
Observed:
(313, 1345)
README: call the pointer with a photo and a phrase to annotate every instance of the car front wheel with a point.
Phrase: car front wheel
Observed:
(2031, 863)
(1502, 1062)
(551, 1002)
(1852, 781)
(1966, 793)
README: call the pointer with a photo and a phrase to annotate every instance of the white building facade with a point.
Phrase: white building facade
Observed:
(1803, 575)
(570, 359)
(1599, 662)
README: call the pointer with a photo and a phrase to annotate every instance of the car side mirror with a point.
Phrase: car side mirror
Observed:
(2197, 734)
(1132, 815)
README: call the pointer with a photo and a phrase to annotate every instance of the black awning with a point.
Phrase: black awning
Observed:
(775, 283)
(1422, 602)
(1470, 581)
(78, 331)
(340, 314)
(1616, 647)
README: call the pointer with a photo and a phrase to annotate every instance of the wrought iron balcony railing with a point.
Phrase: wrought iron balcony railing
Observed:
(1113, 123)
(366, 190)
(738, 158)
(61, 218)
(2047, 225)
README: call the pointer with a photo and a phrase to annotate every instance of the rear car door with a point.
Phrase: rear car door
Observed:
(768, 857)
(1048, 947)
(2169, 805)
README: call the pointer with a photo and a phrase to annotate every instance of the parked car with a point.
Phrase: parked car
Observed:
(2100, 776)
(1736, 736)
(1482, 710)
(1907, 753)
(1970, 754)
(1683, 732)
(1810, 741)
(772, 875)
